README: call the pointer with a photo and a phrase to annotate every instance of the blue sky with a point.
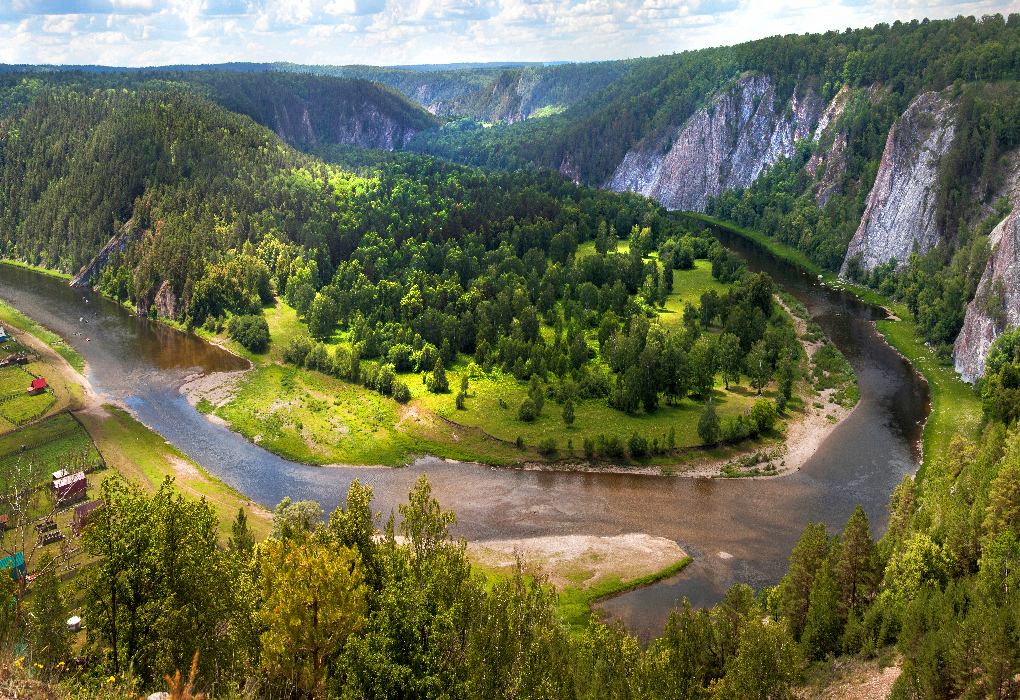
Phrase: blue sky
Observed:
(389, 32)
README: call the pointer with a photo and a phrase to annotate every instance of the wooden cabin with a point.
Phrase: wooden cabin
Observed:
(82, 514)
(37, 386)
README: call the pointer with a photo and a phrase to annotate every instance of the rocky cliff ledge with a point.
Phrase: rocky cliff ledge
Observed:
(996, 304)
(901, 206)
(722, 146)
(118, 243)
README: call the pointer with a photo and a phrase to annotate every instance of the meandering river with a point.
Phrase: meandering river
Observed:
(735, 530)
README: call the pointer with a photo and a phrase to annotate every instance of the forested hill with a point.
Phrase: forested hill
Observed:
(304, 110)
(591, 139)
(860, 148)
(520, 93)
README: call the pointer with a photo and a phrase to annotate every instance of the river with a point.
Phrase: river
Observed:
(735, 530)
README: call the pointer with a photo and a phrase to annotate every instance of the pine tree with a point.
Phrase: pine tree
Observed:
(242, 539)
(568, 413)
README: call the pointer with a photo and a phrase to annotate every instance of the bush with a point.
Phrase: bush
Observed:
(638, 446)
(763, 415)
(252, 332)
(519, 442)
(297, 350)
(527, 411)
(461, 397)
(401, 393)
(589, 448)
(547, 446)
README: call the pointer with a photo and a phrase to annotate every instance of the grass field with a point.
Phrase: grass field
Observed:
(23, 407)
(14, 380)
(59, 442)
(312, 418)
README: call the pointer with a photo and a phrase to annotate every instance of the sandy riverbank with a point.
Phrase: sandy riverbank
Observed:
(580, 560)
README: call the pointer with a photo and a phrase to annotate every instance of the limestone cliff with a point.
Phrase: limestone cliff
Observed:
(118, 243)
(722, 146)
(900, 212)
(996, 304)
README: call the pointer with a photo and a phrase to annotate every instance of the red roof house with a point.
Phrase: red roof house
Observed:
(37, 386)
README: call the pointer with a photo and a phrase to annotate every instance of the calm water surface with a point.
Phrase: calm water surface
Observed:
(736, 530)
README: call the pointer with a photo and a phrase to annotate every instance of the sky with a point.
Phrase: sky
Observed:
(396, 32)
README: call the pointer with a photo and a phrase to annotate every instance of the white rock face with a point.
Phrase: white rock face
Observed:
(901, 206)
(980, 329)
(723, 146)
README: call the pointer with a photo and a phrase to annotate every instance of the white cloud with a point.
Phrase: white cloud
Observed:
(148, 32)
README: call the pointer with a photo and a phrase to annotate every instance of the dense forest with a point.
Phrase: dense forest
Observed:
(660, 93)
(304, 110)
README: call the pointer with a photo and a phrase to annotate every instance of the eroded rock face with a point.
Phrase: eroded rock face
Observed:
(118, 243)
(166, 301)
(723, 146)
(980, 329)
(901, 206)
(357, 125)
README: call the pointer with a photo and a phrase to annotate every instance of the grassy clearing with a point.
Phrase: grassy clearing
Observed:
(315, 419)
(576, 603)
(781, 251)
(23, 408)
(139, 454)
(955, 407)
(688, 286)
(13, 380)
(12, 316)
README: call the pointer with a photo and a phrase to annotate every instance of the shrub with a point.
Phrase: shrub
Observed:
(519, 442)
(252, 332)
(763, 415)
(401, 393)
(297, 350)
(547, 446)
(638, 446)
(461, 396)
(527, 411)
(568, 413)
(589, 448)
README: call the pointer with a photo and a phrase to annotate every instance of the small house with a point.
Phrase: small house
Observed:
(37, 386)
(59, 474)
(82, 514)
(70, 488)
(15, 563)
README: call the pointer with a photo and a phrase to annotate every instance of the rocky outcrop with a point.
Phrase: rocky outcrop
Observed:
(166, 301)
(722, 146)
(118, 243)
(996, 305)
(900, 212)
(830, 152)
